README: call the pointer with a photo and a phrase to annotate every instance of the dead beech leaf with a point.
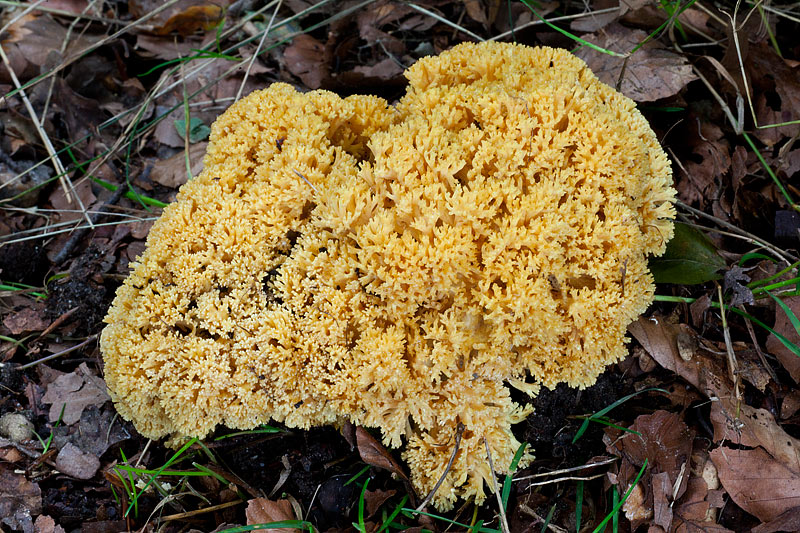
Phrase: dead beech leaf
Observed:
(264, 511)
(74, 392)
(171, 172)
(757, 483)
(373, 453)
(755, 427)
(652, 72)
(783, 325)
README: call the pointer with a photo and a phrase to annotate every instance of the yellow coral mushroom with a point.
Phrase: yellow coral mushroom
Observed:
(398, 267)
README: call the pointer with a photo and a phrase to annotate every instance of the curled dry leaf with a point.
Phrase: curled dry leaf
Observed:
(373, 453)
(651, 73)
(757, 482)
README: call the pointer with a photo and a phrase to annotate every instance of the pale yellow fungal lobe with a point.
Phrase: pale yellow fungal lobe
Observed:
(398, 267)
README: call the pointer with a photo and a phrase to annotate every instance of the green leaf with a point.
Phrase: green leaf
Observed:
(197, 130)
(691, 258)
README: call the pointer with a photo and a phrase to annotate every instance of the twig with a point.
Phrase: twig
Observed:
(257, 50)
(189, 514)
(503, 518)
(459, 433)
(58, 354)
(772, 248)
(568, 470)
(560, 479)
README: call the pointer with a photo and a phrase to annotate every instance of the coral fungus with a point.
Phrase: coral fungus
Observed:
(398, 267)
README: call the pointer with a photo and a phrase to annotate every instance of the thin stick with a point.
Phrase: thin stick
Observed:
(568, 470)
(429, 497)
(58, 354)
(257, 51)
(503, 518)
(560, 479)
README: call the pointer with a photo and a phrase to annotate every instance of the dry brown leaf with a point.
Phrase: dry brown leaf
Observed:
(45, 524)
(757, 482)
(783, 325)
(694, 511)
(33, 40)
(651, 73)
(754, 427)
(264, 511)
(593, 22)
(24, 320)
(171, 172)
(373, 453)
(306, 59)
(74, 462)
(786, 521)
(74, 392)
(659, 339)
(184, 17)
(20, 500)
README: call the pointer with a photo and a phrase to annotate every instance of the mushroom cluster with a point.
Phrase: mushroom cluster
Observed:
(398, 267)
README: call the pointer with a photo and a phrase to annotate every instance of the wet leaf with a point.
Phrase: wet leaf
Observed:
(691, 258)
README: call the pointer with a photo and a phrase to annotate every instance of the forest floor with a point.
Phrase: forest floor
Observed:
(106, 105)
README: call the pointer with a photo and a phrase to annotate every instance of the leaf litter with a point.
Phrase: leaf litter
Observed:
(721, 449)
